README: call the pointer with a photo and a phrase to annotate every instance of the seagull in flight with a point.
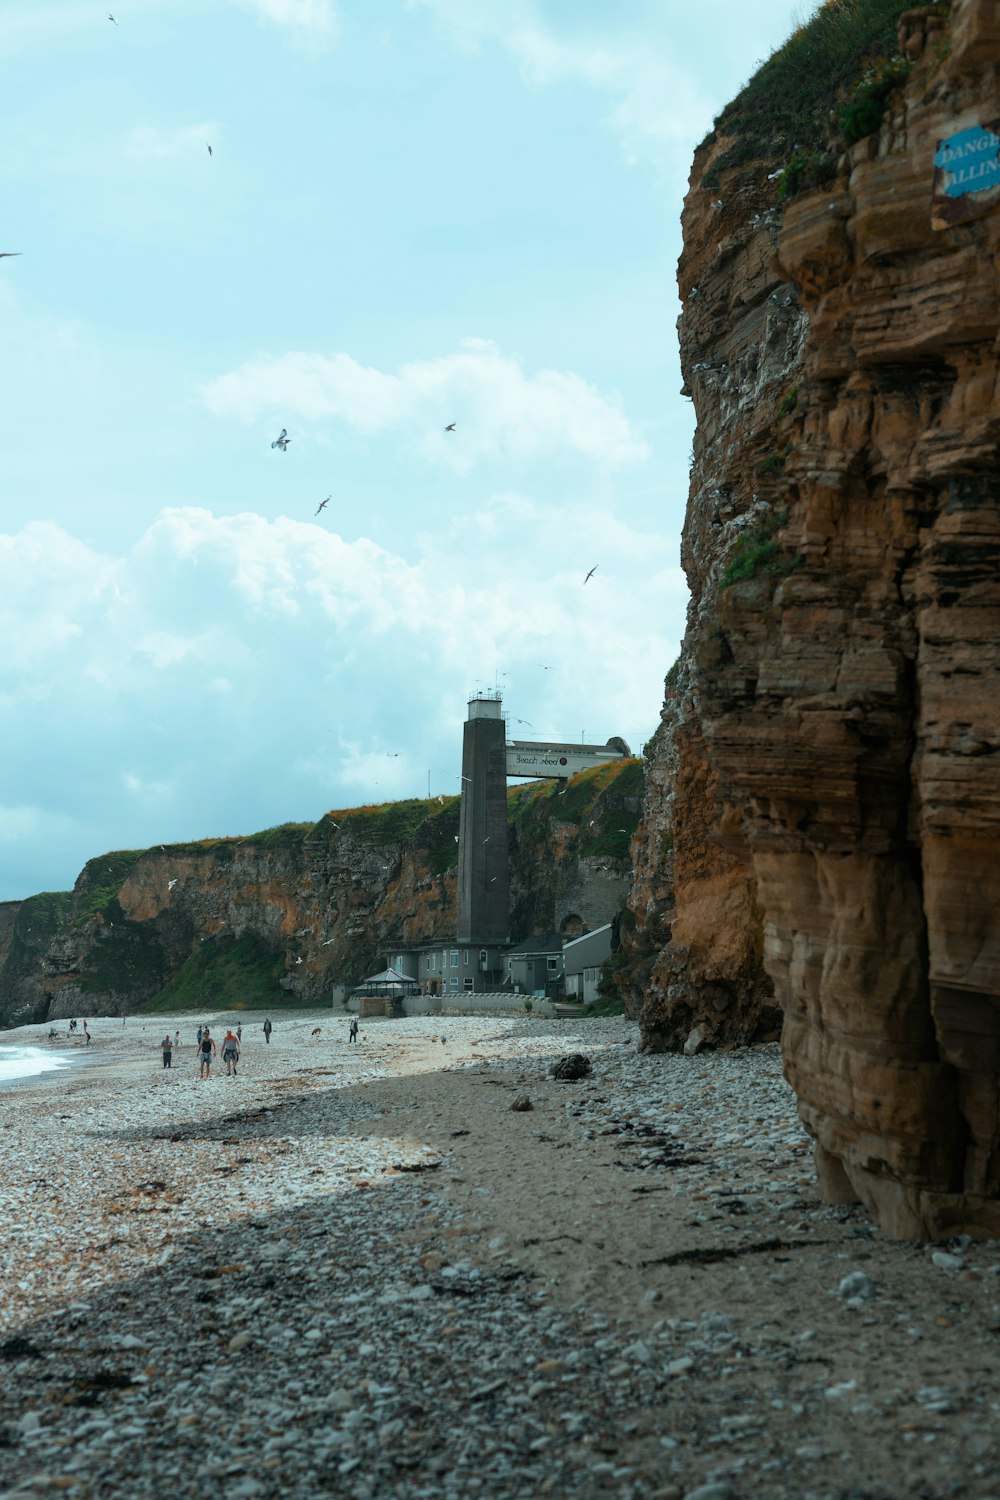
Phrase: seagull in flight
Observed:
(282, 440)
(171, 884)
(209, 148)
(111, 18)
(591, 573)
(526, 721)
(298, 960)
(323, 504)
(7, 254)
(450, 427)
(544, 667)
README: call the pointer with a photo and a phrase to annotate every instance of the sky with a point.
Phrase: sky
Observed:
(413, 213)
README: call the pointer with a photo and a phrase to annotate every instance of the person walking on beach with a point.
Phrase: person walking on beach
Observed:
(352, 1034)
(239, 1033)
(177, 1040)
(87, 1034)
(206, 1051)
(199, 1035)
(230, 1051)
(167, 1049)
(267, 1030)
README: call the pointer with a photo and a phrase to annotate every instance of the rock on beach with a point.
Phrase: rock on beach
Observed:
(355, 1270)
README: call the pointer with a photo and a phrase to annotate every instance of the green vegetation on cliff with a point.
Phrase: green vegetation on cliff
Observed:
(829, 71)
(99, 882)
(429, 825)
(234, 973)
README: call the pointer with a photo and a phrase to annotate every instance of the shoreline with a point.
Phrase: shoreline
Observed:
(405, 1286)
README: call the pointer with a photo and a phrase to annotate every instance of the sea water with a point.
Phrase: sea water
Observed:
(26, 1062)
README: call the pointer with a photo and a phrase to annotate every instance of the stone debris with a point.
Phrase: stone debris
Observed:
(570, 1068)
(350, 1278)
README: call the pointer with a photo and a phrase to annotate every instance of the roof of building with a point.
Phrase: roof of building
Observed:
(549, 942)
(585, 935)
(387, 977)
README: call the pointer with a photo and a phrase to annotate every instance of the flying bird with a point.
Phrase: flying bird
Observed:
(7, 254)
(392, 755)
(591, 573)
(441, 800)
(544, 667)
(298, 960)
(209, 148)
(171, 884)
(526, 721)
(450, 427)
(323, 504)
(111, 18)
(282, 440)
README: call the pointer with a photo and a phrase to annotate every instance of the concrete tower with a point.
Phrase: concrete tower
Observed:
(483, 881)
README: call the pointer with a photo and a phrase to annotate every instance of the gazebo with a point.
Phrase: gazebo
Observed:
(379, 993)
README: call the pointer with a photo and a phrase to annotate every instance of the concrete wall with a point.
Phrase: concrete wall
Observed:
(495, 1003)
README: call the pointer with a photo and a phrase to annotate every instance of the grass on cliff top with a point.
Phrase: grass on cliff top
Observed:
(43, 915)
(100, 880)
(238, 973)
(429, 824)
(281, 836)
(604, 802)
(789, 101)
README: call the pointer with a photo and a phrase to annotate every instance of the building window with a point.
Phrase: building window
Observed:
(552, 964)
(454, 986)
(454, 958)
(510, 964)
(434, 961)
(465, 955)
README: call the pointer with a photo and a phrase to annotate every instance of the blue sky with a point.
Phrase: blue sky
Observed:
(415, 212)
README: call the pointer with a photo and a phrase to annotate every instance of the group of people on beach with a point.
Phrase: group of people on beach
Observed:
(71, 1030)
(232, 1045)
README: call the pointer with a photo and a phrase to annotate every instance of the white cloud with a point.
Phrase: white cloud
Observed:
(311, 22)
(498, 408)
(652, 98)
(227, 673)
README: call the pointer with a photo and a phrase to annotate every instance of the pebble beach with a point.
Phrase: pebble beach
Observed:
(421, 1266)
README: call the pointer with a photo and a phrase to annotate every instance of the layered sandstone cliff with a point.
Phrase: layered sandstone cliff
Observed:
(293, 912)
(843, 657)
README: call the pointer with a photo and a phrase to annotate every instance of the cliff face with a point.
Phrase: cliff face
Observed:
(843, 659)
(288, 914)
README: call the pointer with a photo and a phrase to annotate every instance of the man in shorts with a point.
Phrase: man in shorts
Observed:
(206, 1051)
(230, 1051)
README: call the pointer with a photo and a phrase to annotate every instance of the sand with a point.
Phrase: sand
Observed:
(673, 1198)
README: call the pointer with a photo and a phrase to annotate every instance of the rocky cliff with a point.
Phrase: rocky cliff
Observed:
(833, 727)
(284, 915)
